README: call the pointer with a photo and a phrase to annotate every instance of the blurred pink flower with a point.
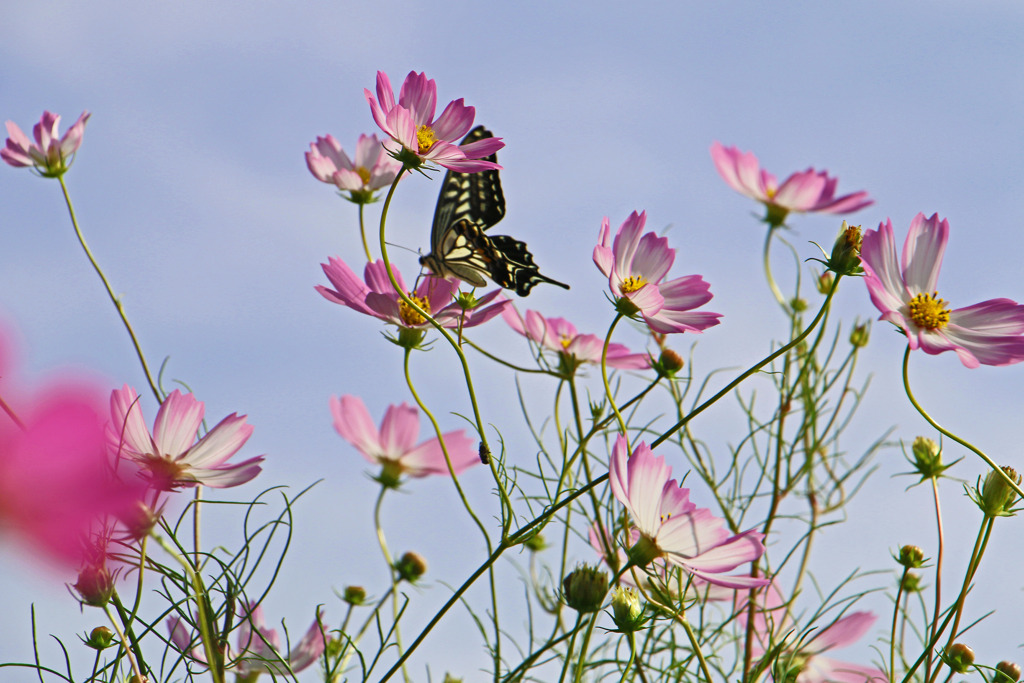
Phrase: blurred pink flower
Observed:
(772, 624)
(371, 170)
(988, 333)
(411, 123)
(573, 348)
(377, 297)
(394, 445)
(58, 487)
(171, 456)
(808, 190)
(50, 155)
(258, 650)
(636, 266)
(671, 527)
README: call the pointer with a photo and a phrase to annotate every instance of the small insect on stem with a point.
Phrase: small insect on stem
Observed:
(485, 454)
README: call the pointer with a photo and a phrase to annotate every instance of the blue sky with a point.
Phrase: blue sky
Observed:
(193, 192)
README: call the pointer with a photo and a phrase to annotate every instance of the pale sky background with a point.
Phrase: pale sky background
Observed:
(193, 192)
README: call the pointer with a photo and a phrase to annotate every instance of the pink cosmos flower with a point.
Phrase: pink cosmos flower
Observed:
(772, 623)
(573, 348)
(636, 266)
(171, 456)
(377, 297)
(257, 651)
(411, 123)
(671, 527)
(58, 487)
(50, 155)
(372, 169)
(809, 190)
(988, 333)
(394, 445)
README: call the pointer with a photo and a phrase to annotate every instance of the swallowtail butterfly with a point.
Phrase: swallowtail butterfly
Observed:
(469, 204)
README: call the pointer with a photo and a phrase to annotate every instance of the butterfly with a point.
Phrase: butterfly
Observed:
(469, 204)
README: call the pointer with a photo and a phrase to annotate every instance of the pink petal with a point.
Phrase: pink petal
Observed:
(398, 430)
(652, 258)
(456, 120)
(801, 191)
(385, 92)
(353, 422)
(419, 96)
(428, 458)
(221, 442)
(845, 631)
(227, 476)
(922, 253)
(177, 423)
(882, 271)
(127, 433)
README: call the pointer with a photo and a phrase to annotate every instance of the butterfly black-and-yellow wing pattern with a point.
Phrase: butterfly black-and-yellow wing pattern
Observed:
(469, 204)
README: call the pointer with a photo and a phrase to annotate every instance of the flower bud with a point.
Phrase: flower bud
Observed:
(860, 335)
(996, 498)
(411, 566)
(139, 520)
(668, 363)
(95, 585)
(824, 282)
(354, 595)
(1007, 672)
(535, 543)
(627, 610)
(584, 588)
(845, 257)
(911, 582)
(100, 638)
(798, 305)
(927, 458)
(958, 657)
(911, 557)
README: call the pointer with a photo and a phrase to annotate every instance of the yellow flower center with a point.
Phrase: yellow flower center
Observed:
(565, 340)
(425, 138)
(364, 174)
(929, 311)
(770, 191)
(632, 284)
(409, 314)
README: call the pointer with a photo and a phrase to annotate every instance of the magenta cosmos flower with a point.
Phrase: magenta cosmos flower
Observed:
(377, 297)
(411, 123)
(987, 333)
(671, 527)
(259, 647)
(394, 446)
(772, 625)
(573, 348)
(636, 265)
(58, 487)
(171, 456)
(371, 170)
(50, 155)
(804, 191)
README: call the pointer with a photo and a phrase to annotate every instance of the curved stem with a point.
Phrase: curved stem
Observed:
(938, 575)
(362, 234)
(124, 643)
(945, 432)
(604, 375)
(766, 258)
(392, 572)
(110, 291)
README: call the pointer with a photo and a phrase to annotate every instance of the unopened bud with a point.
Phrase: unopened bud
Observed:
(911, 582)
(95, 585)
(354, 595)
(627, 610)
(824, 282)
(996, 498)
(535, 543)
(668, 363)
(100, 638)
(845, 257)
(1007, 672)
(911, 557)
(411, 566)
(860, 335)
(927, 458)
(958, 657)
(584, 588)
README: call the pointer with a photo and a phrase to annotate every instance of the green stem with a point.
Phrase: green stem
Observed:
(110, 291)
(928, 418)
(604, 375)
(362, 234)
(766, 257)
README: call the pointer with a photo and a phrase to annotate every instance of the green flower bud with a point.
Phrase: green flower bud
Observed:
(584, 588)
(535, 543)
(95, 585)
(798, 305)
(100, 638)
(668, 363)
(845, 257)
(354, 595)
(627, 610)
(824, 282)
(411, 566)
(927, 458)
(911, 557)
(996, 498)
(911, 582)
(958, 657)
(860, 335)
(1007, 672)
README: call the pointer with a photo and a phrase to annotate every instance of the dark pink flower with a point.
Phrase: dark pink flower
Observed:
(259, 648)
(808, 190)
(636, 267)
(411, 123)
(673, 529)
(772, 624)
(371, 170)
(58, 488)
(171, 456)
(573, 348)
(988, 333)
(394, 445)
(377, 297)
(50, 155)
